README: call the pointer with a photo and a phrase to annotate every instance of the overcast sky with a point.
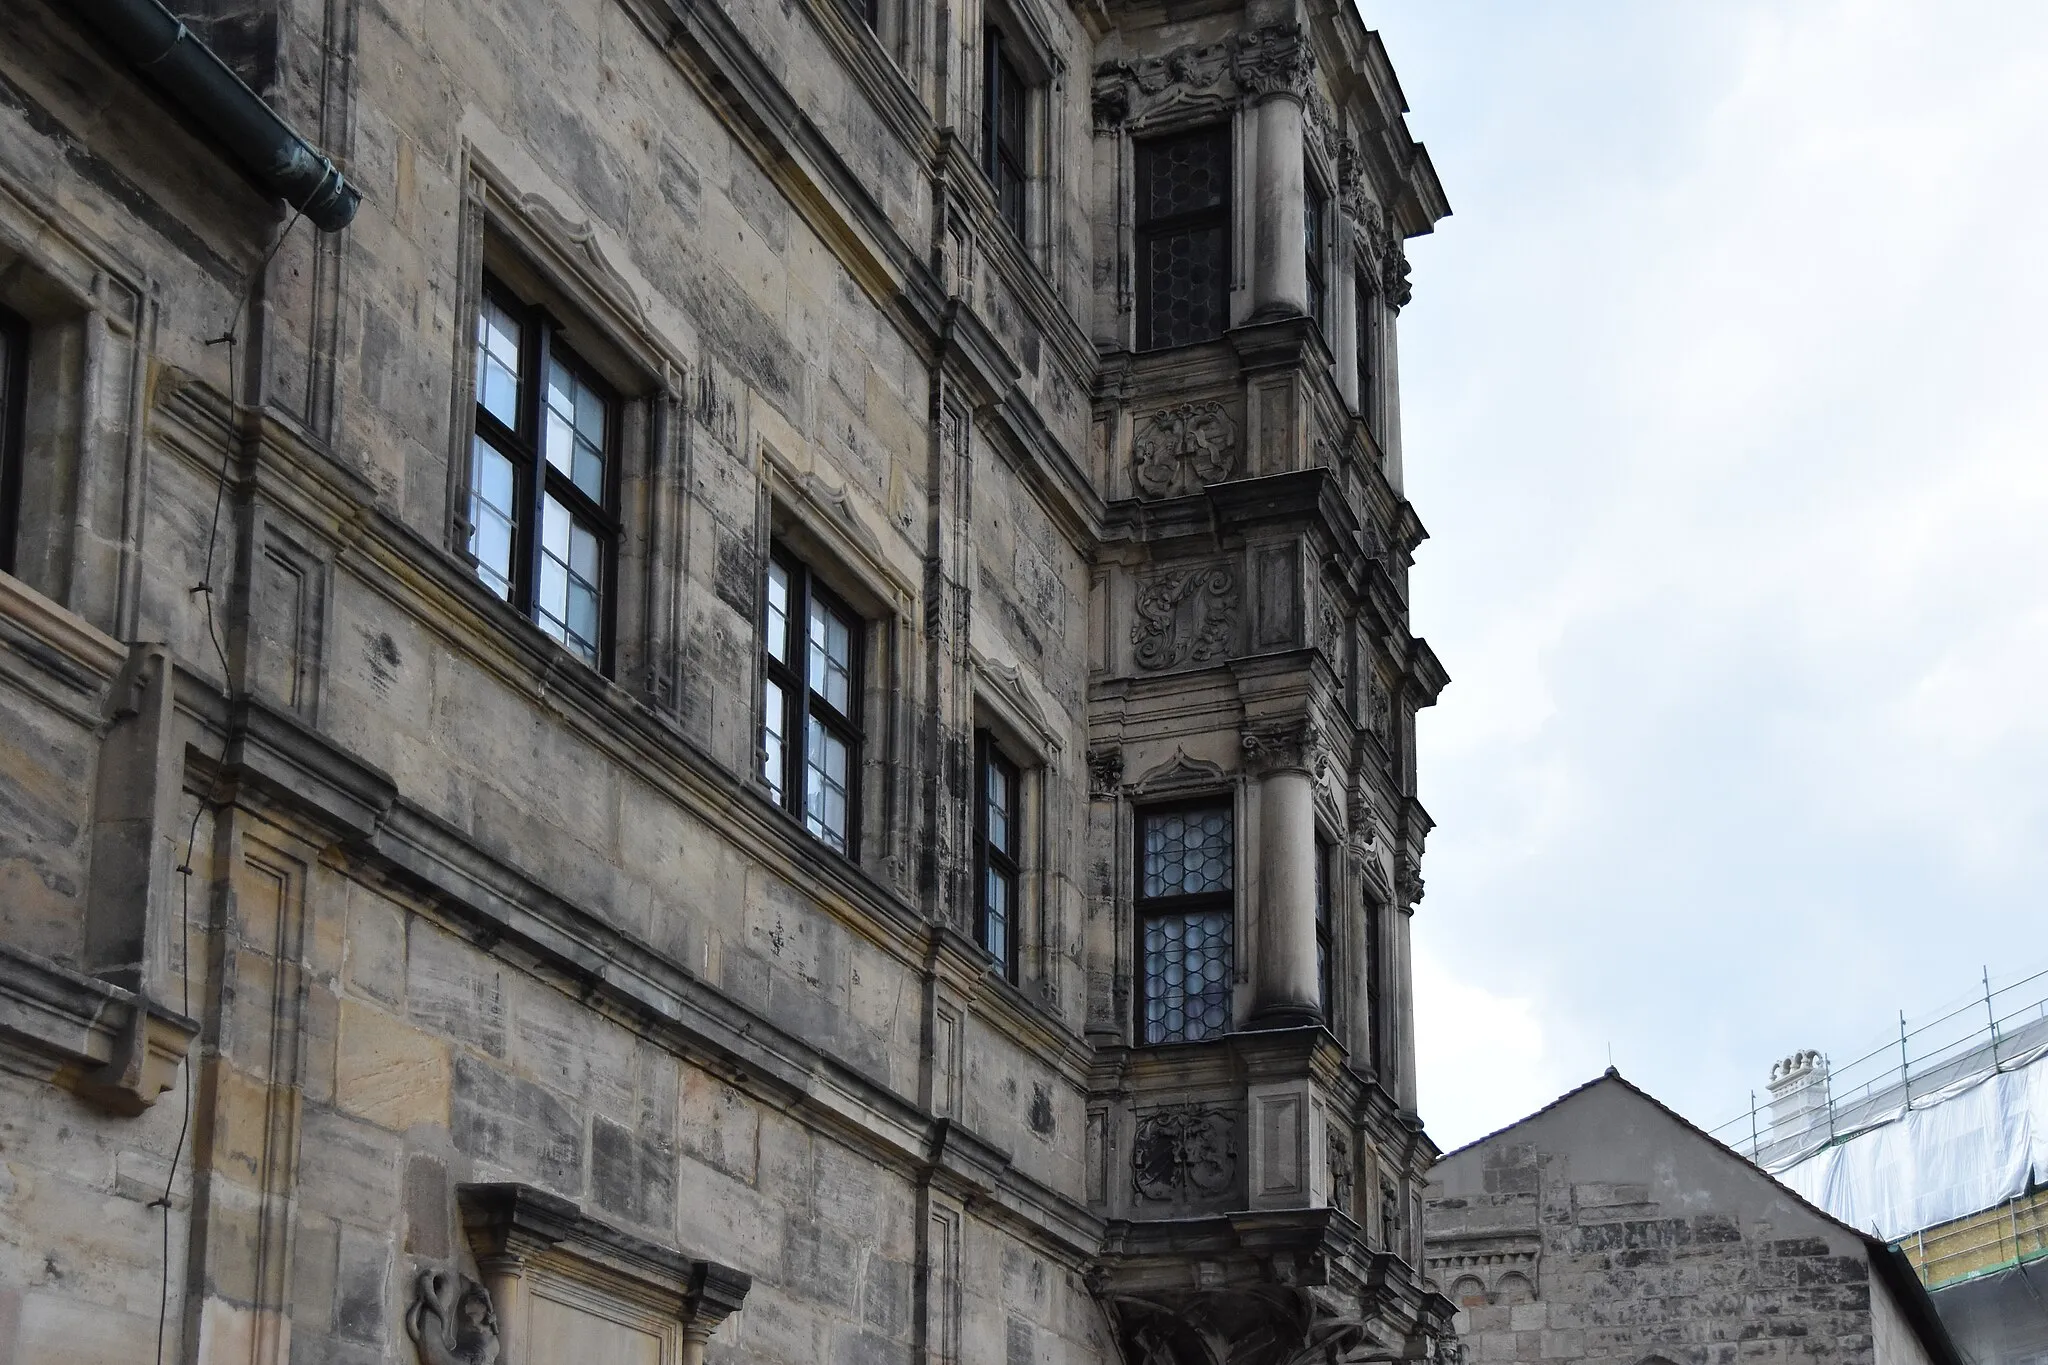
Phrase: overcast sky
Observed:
(1724, 403)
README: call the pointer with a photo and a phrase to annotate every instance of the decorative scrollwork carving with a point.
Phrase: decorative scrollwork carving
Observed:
(1184, 1152)
(1276, 746)
(451, 1321)
(1273, 60)
(1192, 77)
(1408, 881)
(1379, 713)
(1185, 616)
(1330, 634)
(1105, 772)
(1178, 449)
(1394, 283)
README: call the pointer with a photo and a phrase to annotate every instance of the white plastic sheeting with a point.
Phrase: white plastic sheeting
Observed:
(1957, 1151)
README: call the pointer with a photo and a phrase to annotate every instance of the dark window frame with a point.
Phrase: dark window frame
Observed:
(1315, 231)
(1145, 908)
(993, 859)
(14, 344)
(800, 702)
(1367, 323)
(1326, 948)
(535, 479)
(1006, 129)
(1148, 231)
(1375, 984)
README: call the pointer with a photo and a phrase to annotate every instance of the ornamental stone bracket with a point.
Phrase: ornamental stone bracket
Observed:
(112, 1047)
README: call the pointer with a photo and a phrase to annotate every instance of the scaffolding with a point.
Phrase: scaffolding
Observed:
(1997, 1029)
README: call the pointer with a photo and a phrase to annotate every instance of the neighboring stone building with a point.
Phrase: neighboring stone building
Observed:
(765, 708)
(1606, 1227)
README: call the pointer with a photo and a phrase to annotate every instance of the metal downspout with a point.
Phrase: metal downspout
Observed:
(159, 45)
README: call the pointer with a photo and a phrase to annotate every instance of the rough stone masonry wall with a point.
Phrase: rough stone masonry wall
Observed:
(1621, 1277)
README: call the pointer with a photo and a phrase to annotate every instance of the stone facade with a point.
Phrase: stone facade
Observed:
(1605, 1227)
(389, 971)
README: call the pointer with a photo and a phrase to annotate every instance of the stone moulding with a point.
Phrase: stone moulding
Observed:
(1179, 449)
(1185, 616)
(110, 1046)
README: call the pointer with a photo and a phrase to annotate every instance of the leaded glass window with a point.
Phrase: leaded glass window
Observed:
(1005, 108)
(1186, 921)
(543, 531)
(998, 828)
(1368, 345)
(1183, 237)
(1375, 986)
(810, 702)
(1324, 956)
(13, 405)
(1315, 223)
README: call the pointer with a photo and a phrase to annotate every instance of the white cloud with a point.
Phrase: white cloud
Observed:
(1724, 403)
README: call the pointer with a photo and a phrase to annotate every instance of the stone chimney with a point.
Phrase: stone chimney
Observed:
(1799, 1099)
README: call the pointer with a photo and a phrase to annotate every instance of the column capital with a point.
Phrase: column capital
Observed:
(1273, 60)
(1293, 744)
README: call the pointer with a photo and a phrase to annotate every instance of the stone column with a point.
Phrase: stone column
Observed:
(1287, 993)
(1401, 1008)
(1272, 68)
(1343, 337)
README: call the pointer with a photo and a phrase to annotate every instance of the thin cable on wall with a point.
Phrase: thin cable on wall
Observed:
(203, 589)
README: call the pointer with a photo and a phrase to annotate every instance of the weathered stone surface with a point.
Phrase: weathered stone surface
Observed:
(1605, 1225)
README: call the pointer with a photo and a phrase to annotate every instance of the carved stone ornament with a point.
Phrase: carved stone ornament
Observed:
(1447, 1349)
(451, 1320)
(1394, 273)
(1274, 60)
(1195, 77)
(1408, 881)
(1185, 616)
(1352, 193)
(1330, 634)
(1291, 744)
(1179, 449)
(1379, 713)
(1342, 1171)
(1105, 772)
(1184, 1152)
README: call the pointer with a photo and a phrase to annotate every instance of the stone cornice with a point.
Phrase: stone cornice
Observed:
(114, 1048)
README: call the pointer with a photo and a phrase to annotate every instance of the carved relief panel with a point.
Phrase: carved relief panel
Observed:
(1185, 616)
(1184, 1153)
(1178, 450)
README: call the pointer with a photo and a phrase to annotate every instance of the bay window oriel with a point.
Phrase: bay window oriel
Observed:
(810, 705)
(1186, 916)
(543, 526)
